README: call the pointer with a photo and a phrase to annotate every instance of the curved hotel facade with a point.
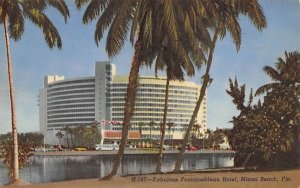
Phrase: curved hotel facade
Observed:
(81, 101)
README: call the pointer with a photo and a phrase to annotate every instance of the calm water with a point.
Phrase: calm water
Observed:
(59, 168)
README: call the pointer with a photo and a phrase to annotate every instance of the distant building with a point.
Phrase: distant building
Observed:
(81, 101)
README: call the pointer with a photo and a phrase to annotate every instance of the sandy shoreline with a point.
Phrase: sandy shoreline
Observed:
(271, 179)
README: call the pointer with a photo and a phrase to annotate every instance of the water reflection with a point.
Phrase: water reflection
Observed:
(59, 168)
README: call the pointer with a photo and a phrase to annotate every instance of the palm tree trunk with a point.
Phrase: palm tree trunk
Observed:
(130, 99)
(67, 140)
(72, 140)
(150, 127)
(12, 108)
(163, 130)
(198, 104)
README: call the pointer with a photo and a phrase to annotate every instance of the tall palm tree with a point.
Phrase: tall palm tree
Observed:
(177, 64)
(209, 135)
(59, 135)
(172, 74)
(224, 16)
(12, 15)
(285, 73)
(70, 130)
(197, 130)
(95, 132)
(117, 16)
(144, 20)
(174, 71)
(201, 135)
(66, 130)
(151, 124)
(170, 125)
(140, 127)
(79, 135)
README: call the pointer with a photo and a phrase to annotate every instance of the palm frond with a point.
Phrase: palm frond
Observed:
(2, 11)
(37, 4)
(148, 34)
(136, 20)
(80, 3)
(169, 20)
(176, 72)
(242, 94)
(234, 28)
(231, 86)
(15, 19)
(159, 63)
(184, 60)
(250, 98)
(119, 28)
(105, 20)
(50, 32)
(280, 64)
(257, 16)
(254, 11)
(61, 6)
(93, 10)
(272, 73)
(202, 34)
(265, 88)
(237, 93)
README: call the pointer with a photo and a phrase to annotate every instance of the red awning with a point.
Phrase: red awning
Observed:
(118, 134)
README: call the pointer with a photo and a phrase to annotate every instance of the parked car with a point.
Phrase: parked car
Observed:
(80, 149)
(39, 149)
(106, 147)
(191, 148)
(131, 146)
(166, 147)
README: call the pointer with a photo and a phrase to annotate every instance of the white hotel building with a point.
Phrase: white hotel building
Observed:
(81, 101)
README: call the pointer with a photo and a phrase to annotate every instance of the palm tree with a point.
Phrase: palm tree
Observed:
(140, 127)
(151, 124)
(12, 15)
(173, 72)
(224, 15)
(79, 133)
(196, 132)
(196, 129)
(285, 74)
(95, 132)
(163, 128)
(170, 125)
(209, 135)
(70, 130)
(117, 16)
(146, 19)
(65, 129)
(201, 135)
(59, 135)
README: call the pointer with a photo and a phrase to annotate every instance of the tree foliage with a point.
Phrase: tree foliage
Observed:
(25, 152)
(16, 11)
(268, 132)
(86, 136)
(12, 16)
(223, 17)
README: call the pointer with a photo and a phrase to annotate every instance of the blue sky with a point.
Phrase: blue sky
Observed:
(32, 60)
